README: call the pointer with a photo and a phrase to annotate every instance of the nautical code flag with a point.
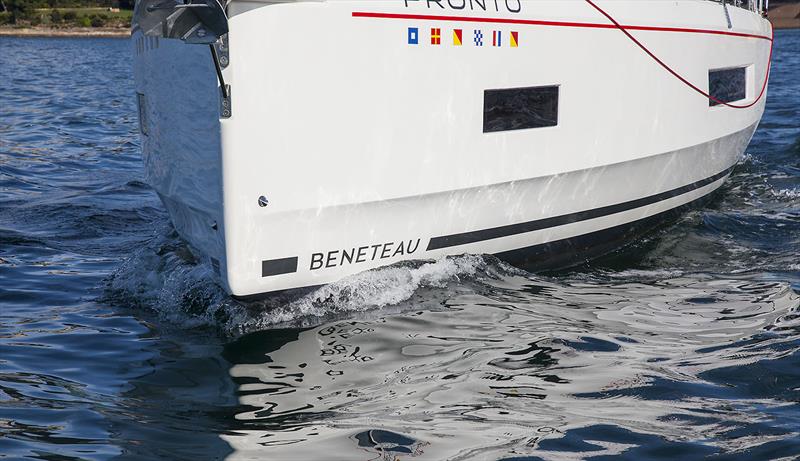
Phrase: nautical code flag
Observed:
(497, 38)
(458, 37)
(413, 36)
(478, 38)
(436, 36)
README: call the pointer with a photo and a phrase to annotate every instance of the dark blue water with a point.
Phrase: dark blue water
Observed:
(114, 342)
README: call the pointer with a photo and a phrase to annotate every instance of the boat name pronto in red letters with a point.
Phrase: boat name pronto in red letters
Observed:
(497, 6)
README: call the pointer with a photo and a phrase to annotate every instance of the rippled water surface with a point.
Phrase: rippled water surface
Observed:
(114, 342)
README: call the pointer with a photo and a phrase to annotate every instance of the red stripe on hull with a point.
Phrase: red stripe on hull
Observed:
(532, 22)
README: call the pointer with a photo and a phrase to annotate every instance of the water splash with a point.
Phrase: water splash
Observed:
(165, 277)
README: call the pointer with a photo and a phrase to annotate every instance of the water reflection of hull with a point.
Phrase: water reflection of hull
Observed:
(512, 370)
(400, 167)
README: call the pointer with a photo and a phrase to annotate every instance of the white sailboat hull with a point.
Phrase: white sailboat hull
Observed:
(372, 148)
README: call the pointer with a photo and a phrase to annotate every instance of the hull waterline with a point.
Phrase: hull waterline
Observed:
(385, 133)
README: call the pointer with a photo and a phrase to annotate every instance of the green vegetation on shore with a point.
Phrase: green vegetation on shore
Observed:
(66, 14)
(72, 14)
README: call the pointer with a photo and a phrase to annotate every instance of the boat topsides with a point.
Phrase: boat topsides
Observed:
(352, 132)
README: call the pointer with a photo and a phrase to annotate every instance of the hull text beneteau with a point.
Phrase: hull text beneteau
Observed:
(296, 142)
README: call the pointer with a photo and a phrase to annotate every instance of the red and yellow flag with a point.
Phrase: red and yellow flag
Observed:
(514, 39)
(436, 36)
(458, 37)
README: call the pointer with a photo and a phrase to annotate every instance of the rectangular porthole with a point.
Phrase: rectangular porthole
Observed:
(520, 108)
(727, 85)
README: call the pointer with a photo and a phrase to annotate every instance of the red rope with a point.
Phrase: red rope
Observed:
(681, 78)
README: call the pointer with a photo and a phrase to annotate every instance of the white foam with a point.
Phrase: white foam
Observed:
(639, 274)
(164, 277)
(786, 193)
(373, 289)
(749, 158)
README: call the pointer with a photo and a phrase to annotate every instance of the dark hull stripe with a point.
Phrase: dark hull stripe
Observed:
(559, 254)
(572, 251)
(465, 238)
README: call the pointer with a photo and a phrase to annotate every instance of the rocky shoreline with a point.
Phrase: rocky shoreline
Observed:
(785, 16)
(65, 32)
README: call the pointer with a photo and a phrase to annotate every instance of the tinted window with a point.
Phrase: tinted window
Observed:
(520, 108)
(727, 85)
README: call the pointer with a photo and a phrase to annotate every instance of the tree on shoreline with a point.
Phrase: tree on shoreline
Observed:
(19, 9)
(7, 6)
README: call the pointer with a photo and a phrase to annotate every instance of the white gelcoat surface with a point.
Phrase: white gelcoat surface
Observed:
(358, 138)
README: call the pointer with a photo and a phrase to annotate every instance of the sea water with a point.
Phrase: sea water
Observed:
(114, 342)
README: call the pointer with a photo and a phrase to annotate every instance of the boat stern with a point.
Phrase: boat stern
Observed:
(179, 105)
